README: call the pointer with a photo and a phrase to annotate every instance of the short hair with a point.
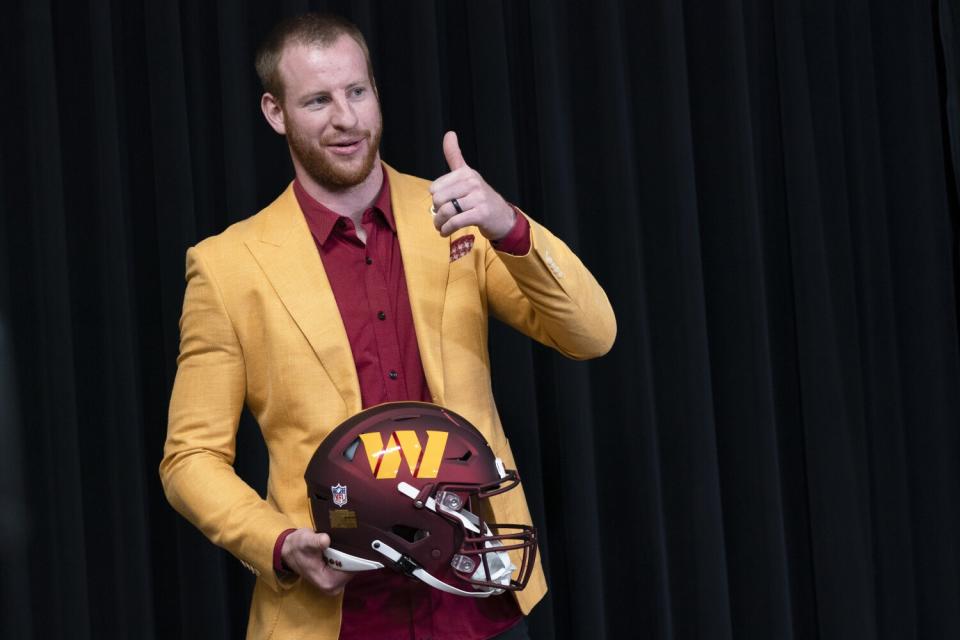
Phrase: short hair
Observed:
(320, 29)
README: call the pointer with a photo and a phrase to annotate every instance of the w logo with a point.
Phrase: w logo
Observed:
(384, 457)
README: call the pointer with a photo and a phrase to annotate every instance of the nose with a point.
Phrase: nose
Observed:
(343, 117)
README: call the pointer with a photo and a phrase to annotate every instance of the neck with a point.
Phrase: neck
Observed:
(350, 202)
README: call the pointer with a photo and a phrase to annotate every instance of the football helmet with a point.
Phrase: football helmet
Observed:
(403, 485)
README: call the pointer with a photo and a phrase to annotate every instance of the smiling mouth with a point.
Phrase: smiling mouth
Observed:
(345, 147)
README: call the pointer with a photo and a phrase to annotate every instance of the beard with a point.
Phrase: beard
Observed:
(330, 171)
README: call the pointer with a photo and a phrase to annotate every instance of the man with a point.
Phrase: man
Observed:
(358, 285)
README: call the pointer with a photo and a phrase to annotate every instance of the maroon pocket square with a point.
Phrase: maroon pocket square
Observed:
(461, 247)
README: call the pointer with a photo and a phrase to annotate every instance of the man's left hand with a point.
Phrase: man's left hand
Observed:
(481, 205)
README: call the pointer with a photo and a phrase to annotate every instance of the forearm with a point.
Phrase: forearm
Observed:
(550, 295)
(205, 490)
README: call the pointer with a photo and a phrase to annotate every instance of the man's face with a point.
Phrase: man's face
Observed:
(331, 113)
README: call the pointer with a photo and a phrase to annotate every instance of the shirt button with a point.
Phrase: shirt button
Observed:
(381, 315)
(393, 374)
(369, 260)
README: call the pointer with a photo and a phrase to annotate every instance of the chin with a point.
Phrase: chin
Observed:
(330, 171)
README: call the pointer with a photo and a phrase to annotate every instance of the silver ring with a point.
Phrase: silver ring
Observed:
(456, 205)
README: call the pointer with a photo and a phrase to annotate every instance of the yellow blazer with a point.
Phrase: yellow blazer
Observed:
(260, 325)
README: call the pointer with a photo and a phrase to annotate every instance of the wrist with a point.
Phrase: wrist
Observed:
(280, 566)
(508, 226)
(517, 240)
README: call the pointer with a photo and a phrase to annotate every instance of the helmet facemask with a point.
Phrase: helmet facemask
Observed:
(483, 559)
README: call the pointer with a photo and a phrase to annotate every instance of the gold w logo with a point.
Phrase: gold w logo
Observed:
(384, 456)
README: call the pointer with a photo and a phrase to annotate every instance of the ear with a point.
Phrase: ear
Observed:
(273, 112)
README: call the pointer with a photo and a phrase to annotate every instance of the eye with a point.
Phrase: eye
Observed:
(358, 91)
(318, 100)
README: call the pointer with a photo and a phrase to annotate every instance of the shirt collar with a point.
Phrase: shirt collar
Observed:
(322, 219)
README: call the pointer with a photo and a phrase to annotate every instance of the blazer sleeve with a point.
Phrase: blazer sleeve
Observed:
(208, 395)
(550, 296)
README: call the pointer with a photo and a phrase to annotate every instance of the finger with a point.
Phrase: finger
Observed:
(321, 541)
(451, 151)
(447, 208)
(440, 218)
(447, 179)
(458, 222)
(333, 581)
(441, 215)
(447, 211)
(460, 190)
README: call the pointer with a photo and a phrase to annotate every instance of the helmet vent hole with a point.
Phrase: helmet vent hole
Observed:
(462, 458)
(410, 534)
(405, 418)
(351, 450)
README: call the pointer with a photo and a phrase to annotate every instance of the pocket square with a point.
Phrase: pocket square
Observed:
(461, 247)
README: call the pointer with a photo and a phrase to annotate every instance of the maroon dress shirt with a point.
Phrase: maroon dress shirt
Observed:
(369, 286)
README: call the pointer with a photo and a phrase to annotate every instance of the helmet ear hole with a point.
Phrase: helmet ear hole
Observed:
(408, 533)
(351, 450)
(463, 457)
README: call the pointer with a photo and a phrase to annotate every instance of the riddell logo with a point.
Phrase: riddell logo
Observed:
(384, 457)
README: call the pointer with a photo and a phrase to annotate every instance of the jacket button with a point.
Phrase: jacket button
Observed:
(393, 374)
(381, 315)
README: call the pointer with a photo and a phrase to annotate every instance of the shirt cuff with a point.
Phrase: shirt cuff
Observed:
(517, 240)
(279, 566)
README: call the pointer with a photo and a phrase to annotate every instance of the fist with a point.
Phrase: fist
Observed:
(480, 205)
(303, 552)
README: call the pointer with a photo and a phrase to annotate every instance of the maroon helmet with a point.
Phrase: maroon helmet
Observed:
(402, 485)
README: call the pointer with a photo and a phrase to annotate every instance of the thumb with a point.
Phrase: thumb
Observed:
(321, 541)
(451, 151)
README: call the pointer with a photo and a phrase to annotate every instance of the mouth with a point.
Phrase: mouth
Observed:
(346, 147)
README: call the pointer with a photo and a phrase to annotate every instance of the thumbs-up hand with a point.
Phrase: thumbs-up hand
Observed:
(303, 552)
(463, 187)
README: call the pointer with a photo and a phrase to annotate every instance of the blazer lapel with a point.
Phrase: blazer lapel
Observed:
(426, 260)
(286, 252)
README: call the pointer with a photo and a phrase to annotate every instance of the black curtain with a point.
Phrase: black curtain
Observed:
(767, 189)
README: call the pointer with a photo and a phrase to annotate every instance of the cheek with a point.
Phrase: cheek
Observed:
(310, 129)
(371, 117)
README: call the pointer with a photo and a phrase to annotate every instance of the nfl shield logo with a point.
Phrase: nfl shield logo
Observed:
(339, 495)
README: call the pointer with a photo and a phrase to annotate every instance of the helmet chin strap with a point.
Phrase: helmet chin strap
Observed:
(421, 574)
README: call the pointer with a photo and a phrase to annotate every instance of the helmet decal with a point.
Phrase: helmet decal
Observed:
(384, 457)
(339, 493)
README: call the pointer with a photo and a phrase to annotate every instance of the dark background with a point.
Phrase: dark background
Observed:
(767, 189)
